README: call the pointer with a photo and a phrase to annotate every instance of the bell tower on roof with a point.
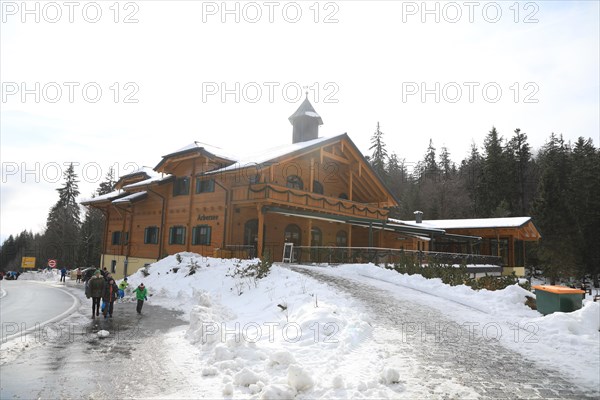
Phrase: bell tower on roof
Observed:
(306, 122)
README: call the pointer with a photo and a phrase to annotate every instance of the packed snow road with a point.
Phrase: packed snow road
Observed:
(440, 357)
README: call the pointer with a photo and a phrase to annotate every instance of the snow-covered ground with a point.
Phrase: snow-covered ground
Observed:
(290, 335)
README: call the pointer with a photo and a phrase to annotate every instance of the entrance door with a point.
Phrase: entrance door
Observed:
(251, 236)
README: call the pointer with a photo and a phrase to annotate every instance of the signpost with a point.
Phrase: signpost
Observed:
(27, 262)
(52, 263)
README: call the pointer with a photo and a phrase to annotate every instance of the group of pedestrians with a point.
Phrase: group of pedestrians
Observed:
(102, 286)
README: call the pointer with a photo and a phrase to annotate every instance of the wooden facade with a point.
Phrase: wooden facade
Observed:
(313, 192)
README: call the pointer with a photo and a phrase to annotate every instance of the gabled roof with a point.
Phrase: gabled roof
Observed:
(207, 150)
(269, 156)
(306, 109)
(140, 173)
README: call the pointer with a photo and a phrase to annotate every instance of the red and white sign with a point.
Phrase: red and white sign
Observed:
(52, 263)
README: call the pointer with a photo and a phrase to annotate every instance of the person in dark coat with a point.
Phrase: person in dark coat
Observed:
(96, 288)
(109, 295)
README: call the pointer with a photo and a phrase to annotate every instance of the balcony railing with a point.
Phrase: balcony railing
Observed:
(299, 198)
(349, 255)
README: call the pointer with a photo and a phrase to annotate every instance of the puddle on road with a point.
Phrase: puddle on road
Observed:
(72, 361)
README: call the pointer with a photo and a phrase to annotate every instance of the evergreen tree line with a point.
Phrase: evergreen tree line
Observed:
(559, 187)
(66, 238)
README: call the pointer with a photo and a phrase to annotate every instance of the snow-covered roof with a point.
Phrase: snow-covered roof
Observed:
(104, 197)
(264, 156)
(306, 109)
(214, 150)
(155, 179)
(508, 222)
(142, 170)
(131, 197)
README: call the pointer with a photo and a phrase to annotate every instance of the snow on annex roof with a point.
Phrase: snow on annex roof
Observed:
(264, 156)
(104, 197)
(508, 222)
(130, 198)
(154, 179)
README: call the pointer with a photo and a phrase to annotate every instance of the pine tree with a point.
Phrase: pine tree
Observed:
(585, 205)
(471, 171)
(90, 245)
(63, 224)
(494, 178)
(379, 156)
(552, 211)
(519, 153)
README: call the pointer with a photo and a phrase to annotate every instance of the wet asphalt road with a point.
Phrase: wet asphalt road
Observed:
(69, 361)
(28, 303)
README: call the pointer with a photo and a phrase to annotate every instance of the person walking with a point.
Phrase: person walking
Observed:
(78, 272)
(63, 274)
(141, 294)
(109, 295)
(96, 288)
(122, 286)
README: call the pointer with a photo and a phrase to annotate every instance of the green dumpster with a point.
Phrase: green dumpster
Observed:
(550, 299)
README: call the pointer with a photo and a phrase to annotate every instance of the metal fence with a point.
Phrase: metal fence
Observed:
(349, 255)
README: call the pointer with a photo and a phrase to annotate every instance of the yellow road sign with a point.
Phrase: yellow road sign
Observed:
(28, 262)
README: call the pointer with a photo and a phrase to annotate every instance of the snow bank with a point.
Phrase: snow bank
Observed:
(289, 335)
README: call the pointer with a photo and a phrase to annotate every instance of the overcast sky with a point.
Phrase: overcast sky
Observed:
(121, 84)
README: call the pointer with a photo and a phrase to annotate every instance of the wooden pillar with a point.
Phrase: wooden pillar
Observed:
(511, 252)
(312, 175)
(188, 238)
(261, 232)
(350, 185)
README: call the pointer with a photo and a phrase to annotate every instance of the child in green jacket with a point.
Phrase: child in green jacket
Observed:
(141, 294)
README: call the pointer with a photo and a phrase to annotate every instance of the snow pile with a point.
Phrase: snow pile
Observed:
(289, 335)
(42, 275)
(283, 335)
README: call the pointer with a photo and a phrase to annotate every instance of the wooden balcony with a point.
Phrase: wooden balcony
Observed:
(267, 193)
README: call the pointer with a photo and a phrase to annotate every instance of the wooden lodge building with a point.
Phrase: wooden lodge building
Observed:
(317, 193)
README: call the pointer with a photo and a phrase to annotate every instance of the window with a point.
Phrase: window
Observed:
(343, 196)
(177, 235)
(151, 235)
(295, 182)
(113, 266)
(293, 234)
(116, 237)
(341, 239)
(317, 187)
(253, 179)
(519, 253)
(205, 186)
(120, 237)
(500, 248)
(181, 186)
(316, 237)
(201, 235)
